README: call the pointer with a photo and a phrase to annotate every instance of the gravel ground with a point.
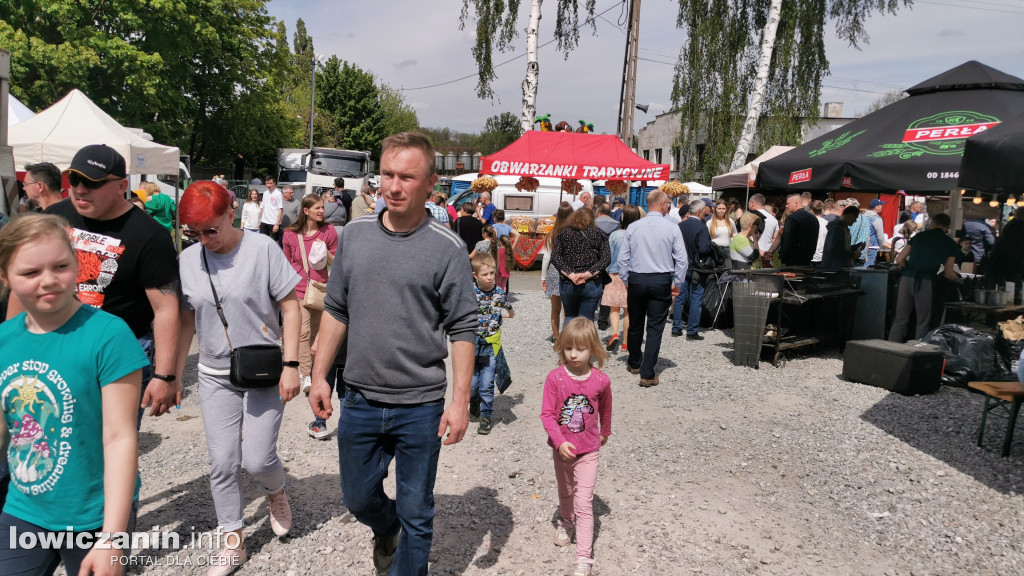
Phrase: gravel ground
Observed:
(718, 470)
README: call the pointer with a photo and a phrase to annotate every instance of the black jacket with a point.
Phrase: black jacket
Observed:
(799, 239)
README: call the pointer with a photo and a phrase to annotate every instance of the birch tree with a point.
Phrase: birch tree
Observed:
(760, 83)
(716, 77)
(496, 30)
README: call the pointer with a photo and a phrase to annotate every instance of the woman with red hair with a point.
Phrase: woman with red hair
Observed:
(233, 284)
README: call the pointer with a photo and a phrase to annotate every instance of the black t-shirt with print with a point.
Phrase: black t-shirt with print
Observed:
(118, 260)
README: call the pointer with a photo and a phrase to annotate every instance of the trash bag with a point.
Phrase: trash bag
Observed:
(709, 306)
(970, 354)
(1008, 352)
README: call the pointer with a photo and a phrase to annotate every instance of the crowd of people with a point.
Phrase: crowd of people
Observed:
(103, 313)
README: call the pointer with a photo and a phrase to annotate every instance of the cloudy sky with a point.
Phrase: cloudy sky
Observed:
(413, 44)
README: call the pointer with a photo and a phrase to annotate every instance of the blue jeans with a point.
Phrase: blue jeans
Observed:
(483, 381)
(147, 373)
(580, 299)
(694, 294)
(648, 298)
(871, 257)
(370, 435)
(36, 560)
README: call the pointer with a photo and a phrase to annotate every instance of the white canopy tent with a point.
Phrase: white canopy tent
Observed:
(55, 134)
(744, 175)
(698, 189)
(16, 111)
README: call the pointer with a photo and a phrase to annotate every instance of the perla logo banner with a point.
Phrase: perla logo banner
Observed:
(942, 134)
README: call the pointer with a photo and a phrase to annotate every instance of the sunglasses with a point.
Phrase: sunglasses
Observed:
(210, 233)
(76, 180)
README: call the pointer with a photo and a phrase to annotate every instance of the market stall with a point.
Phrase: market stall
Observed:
(913, 145)
(992, 159)
(570, 156)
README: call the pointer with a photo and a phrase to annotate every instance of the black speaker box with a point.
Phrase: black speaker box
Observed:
(902, 368)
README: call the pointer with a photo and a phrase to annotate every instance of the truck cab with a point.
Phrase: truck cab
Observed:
(323, 165)
(290, 169)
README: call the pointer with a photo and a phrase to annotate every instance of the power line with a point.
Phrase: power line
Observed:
(970, 7)
(853, 89)
(513, 59)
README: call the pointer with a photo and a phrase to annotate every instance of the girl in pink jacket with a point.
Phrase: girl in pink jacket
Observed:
(577, 415)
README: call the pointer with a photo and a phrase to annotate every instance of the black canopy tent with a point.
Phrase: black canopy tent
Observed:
(994, 160)
(915, 144)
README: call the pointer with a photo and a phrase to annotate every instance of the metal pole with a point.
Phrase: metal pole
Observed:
(620, 129)
(312, 93)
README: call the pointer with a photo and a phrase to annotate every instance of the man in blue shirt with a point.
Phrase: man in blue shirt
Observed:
(652, 265)
(487, 216)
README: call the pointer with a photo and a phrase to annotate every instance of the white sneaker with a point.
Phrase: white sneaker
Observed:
(563, 535)
(227, 561)
(280, 514)
(582, 569)
(307, 383)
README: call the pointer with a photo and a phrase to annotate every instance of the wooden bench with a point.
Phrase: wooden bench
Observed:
(1005, 396)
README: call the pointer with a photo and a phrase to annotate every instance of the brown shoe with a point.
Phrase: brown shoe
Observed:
(645, 383)
(632, 370)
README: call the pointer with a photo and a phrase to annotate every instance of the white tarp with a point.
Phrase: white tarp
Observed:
(16, 111)
(55, 134)
(698, 189)
(740, 177)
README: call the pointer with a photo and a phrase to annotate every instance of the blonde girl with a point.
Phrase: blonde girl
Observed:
(576, 411)
(722, 229)
(59, 354)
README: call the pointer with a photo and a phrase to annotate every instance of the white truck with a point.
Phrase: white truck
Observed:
(323, 165)
(290, 168)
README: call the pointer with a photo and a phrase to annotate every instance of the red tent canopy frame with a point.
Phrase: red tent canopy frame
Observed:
(571, 156)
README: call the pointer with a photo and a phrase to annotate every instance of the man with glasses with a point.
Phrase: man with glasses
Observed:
(42, 184)
(127, 266)
(652, 265)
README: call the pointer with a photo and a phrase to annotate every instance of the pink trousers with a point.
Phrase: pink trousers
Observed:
(576, 481)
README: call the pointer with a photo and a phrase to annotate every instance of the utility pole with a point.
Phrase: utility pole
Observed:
(627, 98)
(312, 94)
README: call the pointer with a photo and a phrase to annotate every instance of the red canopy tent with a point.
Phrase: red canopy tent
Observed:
(572, 156)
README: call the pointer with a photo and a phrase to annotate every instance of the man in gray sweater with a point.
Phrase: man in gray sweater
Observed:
(394, 379)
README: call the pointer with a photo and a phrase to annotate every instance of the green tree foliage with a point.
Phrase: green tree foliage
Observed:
(444, 138)
(398, 116)
(183, 70)
(717, 66)
(349, 97)
(499, 131)
(496, 30)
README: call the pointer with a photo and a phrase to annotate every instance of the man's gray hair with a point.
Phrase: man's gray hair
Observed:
(757, 199)
(697, 206)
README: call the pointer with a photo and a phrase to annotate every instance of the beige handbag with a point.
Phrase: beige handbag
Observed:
(315, 291)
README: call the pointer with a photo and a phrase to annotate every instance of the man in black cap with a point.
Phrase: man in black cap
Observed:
(127, 266)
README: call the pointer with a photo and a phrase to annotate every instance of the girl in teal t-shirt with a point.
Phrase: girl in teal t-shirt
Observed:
(70, 378)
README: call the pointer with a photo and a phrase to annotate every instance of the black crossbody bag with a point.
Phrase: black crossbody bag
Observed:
(256, 366)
